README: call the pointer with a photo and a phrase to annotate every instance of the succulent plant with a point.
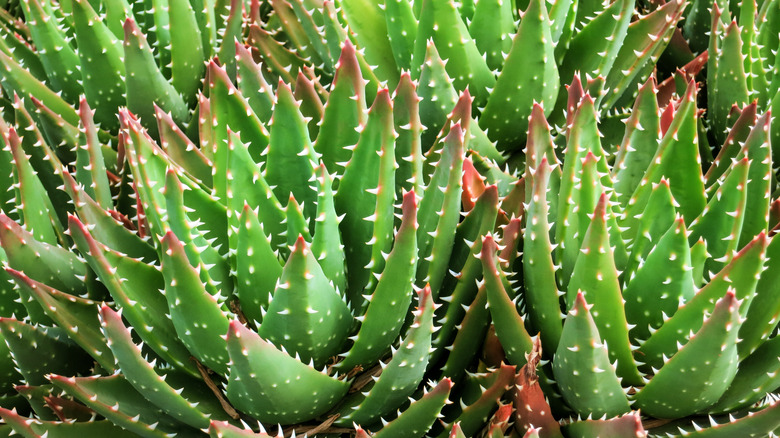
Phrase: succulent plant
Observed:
(665, 277)
(252, 235)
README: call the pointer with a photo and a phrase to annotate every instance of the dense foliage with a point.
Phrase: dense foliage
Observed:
(389, 219)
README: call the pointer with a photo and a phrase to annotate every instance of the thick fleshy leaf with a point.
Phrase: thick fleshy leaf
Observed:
(627, 426)
(509, 324)
(764, 311)
(662, 282)
(541, 289)
(756, 376)
(402, 374)
(720, 225)
(583, 369)
(290, 148)
(529, 75)
(726, 78)
(49, 264)
(367, 20)
(78, 316)
(57, 56)
(306, 317)
(344, 112)
(441, 23)
(187, 295)
(677, 159)
(146, 85)
(645, 40)
(640, 141)
(134, 285)
(102, 69)
(17, 78)
(439, 213)
(38, 351)
(257, 268)
(114, 398)
(697, 383)
(367, 202)
(420, 415)
(35, 428)
(186, 51)
(273, 386)
(740, 276)
(476, 414)
(141, 374)
(465, 267)
(389, 303)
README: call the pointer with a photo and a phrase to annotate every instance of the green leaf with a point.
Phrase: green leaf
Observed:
(529, 75)
(439, 213)
(102, 69)
(368, 24)
(274, 387)
(257, 269)
(18, 79)
(401, 375)
(541, 289)
(417, 419)
(508, 323)
(699, 373)
(187, 52)
(676, 159)
(740, 276)
(491, 27)
(640, 141)
(306, 317)
(595, 277)
(181, 150)
(344, 112)
(389, 303)
(146, 86)
(57, 56)
(440, 22)
(408, 146)
(629, 425)
(645, 40)
(36, 212)
(135, 286)
(757, 375)
(37, 351)
(187, 295)
(661, 283)
(764, 310)
(35, 428)
(594, 48)
(142, 375)
(90, 164)
(366, 202)
(78, 316)
(473, 417)
(726, 79)
(720, 225)
(326, 243)
(49, 264)
(114, 398)
(401, 31)
(245, 173)
(290, 148)
(583, 370)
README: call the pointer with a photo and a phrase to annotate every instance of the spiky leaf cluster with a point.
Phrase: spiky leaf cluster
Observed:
(243, 227)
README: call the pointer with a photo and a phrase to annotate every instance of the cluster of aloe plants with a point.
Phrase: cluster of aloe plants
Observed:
(354, 218)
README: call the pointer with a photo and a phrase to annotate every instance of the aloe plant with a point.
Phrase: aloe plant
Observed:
(330, 219)
(648, 283)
